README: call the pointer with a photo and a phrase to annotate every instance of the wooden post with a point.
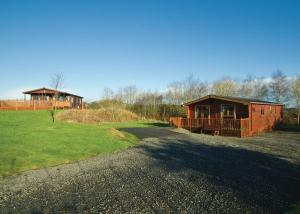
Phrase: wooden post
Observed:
(16, 105)
(249, 119)
(221, 121)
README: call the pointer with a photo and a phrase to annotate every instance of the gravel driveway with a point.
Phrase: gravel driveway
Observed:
(168, 172)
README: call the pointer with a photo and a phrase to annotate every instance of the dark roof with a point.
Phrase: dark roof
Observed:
(50, 91)
(241, 100)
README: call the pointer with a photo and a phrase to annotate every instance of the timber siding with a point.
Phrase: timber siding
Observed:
(250, 116)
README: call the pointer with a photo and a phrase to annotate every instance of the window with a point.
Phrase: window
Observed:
(271, 109)
(36, 97)
(228, 110)
(262, 111)
(202, 111)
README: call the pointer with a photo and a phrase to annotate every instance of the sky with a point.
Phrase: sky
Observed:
(147, 43)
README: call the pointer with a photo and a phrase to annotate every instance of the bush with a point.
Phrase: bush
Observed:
(106, 104)
(95, 116)
(290, 116)
(158, 112)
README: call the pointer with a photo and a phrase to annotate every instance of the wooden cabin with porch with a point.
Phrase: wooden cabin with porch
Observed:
(46, 96)
(229, 116)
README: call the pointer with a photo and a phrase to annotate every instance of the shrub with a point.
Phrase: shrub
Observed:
(95, 116)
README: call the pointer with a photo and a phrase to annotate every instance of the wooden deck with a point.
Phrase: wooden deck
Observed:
(33, 105)
(216, 126)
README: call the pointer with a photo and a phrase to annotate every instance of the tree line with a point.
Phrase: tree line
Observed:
(161, 105)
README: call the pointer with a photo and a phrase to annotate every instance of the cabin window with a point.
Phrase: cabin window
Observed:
(228, 111)
(262, 111)
(36, 97)
(202, 111)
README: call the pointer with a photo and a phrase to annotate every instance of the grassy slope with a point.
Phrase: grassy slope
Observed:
(28, 140)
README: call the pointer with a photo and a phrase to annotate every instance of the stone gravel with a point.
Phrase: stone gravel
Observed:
(170, 171)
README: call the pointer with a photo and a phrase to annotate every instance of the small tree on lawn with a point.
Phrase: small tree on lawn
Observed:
(56, 83)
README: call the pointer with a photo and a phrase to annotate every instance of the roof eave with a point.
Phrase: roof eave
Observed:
(275, 104)
(62, 92)
(214, 97)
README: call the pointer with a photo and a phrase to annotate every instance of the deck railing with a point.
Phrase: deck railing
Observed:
(230, 127)
(32, 104)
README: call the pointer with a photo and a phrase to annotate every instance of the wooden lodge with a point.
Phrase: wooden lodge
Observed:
(229, 116)
(44, 98)
(63, 99)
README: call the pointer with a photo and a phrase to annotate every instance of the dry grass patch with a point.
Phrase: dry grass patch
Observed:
(117, 133)
(97, 116)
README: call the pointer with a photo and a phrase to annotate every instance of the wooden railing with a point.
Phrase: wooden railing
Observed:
(228, 127)
(32, 104)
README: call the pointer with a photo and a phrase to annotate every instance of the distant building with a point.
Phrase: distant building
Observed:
(232, 116)
(65, 99)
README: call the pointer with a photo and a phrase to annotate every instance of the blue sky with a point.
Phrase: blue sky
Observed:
(147, 43)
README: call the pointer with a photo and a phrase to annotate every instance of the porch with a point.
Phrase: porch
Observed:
(216, 126)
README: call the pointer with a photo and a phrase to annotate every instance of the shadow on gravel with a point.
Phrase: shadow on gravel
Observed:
(257, 179)
(173, 174)
(158, 124)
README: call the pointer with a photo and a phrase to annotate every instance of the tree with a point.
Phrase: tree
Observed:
(187, 89)
(107, 94)
(175, 93)
(194, 88)
(246, 87)
(56, 84)
(260, 89)
(129, 94)
(279, 90)
(296, 95)
(224, 87)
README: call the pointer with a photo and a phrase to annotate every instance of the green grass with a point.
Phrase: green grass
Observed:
(294, 209)
(28, 140)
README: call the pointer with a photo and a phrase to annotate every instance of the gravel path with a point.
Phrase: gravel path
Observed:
(168, 172)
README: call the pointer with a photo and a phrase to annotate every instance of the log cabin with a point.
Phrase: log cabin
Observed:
(229, 116)
(55, 97)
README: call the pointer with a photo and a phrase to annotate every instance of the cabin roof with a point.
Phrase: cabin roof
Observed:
(241, 100)
(49, 91)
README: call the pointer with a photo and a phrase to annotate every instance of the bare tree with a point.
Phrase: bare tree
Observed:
(296, 95)
(107, 94)
(129, 94)
(279, 87)
(56, 84)
(225, 87)
(260, 89)
(175, 93)
(187, 89)
(194, 88)
(246, 87)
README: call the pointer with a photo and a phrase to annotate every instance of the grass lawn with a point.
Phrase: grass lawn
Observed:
(28, 140)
